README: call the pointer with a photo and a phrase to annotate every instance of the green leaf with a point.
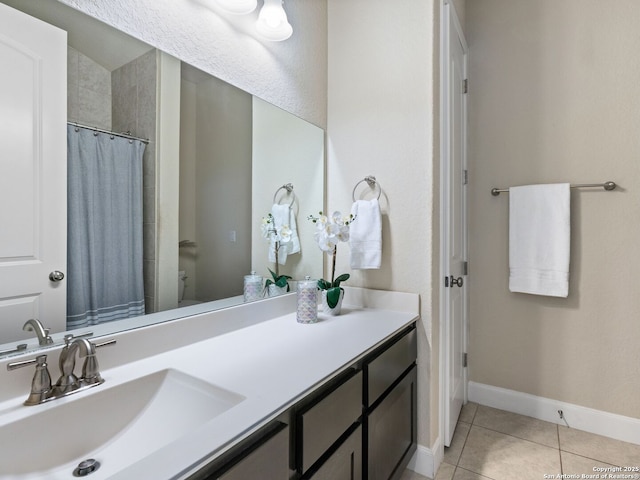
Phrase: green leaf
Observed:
(273, 274)
(342, 278)
(323, 284)
(333, 296)
(281, 281)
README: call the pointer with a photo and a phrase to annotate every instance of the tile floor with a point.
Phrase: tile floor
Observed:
(497, 445)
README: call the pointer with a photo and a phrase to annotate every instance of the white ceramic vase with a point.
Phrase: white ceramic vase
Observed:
(275, 290)
(325, 306)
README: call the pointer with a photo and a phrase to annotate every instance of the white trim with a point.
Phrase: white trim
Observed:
(426, 461)
(599, 422)
(442, 264)
(448, 15)
(444, 53)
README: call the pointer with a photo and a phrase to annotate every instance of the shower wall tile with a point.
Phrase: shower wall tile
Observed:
(149, 236)
(147, 80)
(88, 91)
(94, 108)
(73, 102)
(149, 274)
(72, 66)
(93, 76)
(149, 166)
(134, 110)
(124, 106)
(149, 202)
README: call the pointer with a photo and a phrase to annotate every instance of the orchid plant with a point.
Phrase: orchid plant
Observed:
(329, 232)
(277, 236)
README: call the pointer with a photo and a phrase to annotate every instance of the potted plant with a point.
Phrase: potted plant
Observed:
(277, 237)
(329, 232)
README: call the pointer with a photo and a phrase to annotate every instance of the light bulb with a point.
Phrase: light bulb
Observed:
(238, 7)
(272, 22)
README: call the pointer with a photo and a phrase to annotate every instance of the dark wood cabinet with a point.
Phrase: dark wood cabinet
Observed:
(323, 419)
(345, 463)
(359, 425)
(264, 456)
(391, 431)
(390, 397)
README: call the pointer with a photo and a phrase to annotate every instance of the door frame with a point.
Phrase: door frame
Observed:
(448, 15)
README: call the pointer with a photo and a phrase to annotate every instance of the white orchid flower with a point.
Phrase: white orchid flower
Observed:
(284, 234)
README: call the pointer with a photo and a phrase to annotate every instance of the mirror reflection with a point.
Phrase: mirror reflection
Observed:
(214, 166)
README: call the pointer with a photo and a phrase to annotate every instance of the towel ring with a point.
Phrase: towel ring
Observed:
(372, 182)
(289, 188)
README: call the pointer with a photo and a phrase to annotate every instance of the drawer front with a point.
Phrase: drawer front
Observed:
(324, 422)
(388, 366)
(392, 431)
(269, 460)
(346, 461)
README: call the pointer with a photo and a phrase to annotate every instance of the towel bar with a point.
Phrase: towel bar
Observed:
(289, 188)
(606, 185)
(372, 182)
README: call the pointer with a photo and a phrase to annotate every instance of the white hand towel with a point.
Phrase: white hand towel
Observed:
(365, 235)
(294, 245)
(539, 235)
(283, 215)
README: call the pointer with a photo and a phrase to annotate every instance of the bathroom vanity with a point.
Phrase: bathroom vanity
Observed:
(360, 424)
(229, 393)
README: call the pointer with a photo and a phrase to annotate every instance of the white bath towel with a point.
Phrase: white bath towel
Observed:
(283, 215)
(365, 235)
(539, 234)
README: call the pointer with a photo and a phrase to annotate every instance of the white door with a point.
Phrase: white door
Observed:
(33, 186)
(454, 224)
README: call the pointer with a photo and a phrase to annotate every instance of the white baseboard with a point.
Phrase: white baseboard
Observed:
(426, 461)
(599, 422)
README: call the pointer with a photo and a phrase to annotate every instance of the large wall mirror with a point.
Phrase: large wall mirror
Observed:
(237, 157)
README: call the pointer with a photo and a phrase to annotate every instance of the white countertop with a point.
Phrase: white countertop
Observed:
(273, 364)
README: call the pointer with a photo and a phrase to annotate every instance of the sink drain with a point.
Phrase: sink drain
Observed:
(86, 467)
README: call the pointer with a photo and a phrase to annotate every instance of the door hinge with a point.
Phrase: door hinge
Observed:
(465, 268)
(465, 177)
(465, 85)
(464, 359)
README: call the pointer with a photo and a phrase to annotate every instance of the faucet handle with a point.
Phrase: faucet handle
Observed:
(90, 368)
(41, 383)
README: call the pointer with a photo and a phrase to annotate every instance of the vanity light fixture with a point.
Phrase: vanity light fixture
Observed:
(238, 7)
(272, 23)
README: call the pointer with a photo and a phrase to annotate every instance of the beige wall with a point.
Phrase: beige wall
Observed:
(222, 189)
(554, 97)
(461, 10)
(286, 149)
(380, 123)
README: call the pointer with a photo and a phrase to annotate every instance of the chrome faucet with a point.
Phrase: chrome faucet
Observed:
(34, 325)
(67, 363)
(68, 383)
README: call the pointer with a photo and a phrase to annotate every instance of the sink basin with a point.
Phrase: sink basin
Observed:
(117, 426)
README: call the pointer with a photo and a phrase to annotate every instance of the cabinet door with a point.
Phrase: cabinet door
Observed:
(268, 460)
(392, 431)
(322, 423)
(389, 365)
(345, 463)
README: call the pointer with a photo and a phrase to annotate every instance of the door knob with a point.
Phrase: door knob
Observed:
(455, 281)
(56, 276)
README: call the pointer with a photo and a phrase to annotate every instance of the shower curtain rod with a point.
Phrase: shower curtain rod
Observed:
(606, 185)
(123, 135)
